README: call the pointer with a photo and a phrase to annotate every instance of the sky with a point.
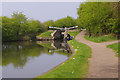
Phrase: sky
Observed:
(42, 11)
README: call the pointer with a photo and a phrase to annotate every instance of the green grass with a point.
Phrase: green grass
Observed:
(100, 39)
(76, 67)
(45, 34)
(115, 47)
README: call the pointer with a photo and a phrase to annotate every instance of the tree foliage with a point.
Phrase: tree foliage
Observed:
(65, 22)
(98, 18)
(49, 23)
(35, 27)
(20, 28)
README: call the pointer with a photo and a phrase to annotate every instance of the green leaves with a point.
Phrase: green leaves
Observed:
(65, 22)
(49, 23)
(19, 27)
(98, 18)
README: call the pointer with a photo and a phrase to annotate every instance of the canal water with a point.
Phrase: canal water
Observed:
(30, 59)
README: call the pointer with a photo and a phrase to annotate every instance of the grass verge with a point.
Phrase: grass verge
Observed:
(100, 39)
(115, 47)
(45, 34)
(76, 66)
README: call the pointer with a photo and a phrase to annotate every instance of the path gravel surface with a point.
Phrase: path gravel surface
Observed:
(103, 63)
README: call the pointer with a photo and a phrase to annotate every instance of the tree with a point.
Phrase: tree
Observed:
(65, 22)
(8, 29)
(97, 18)
(20, 21)
(49, 23)
(20, 28)
(35, 27)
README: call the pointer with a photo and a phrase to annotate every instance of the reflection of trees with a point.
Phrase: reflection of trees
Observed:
(19, 53)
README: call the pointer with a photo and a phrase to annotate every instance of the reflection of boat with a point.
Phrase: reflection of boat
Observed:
(55, 45)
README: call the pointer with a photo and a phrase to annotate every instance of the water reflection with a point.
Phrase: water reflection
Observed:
(56, 45)
(18, 57)
(18, 53)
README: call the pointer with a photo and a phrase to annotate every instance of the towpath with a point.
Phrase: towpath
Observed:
(103, 63)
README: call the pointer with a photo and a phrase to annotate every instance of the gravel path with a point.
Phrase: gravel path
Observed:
(103, 63)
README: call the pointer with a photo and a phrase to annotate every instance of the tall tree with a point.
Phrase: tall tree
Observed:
(35, 27)
(97, 18)
(20, 21)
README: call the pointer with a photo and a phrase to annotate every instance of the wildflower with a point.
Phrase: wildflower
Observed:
(73, 58)
(72, 72)
(75, 49)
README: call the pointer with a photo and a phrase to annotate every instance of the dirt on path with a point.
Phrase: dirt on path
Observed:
(103, 63)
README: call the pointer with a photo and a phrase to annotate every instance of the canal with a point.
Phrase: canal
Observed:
(30, 59)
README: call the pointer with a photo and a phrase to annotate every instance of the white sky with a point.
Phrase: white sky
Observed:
(42, 0)
(59, 0)
(42, 11)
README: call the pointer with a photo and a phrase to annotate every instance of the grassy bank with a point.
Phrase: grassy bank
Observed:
(76, 67)
(115, 47)
(45, 34)
(100, 39)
